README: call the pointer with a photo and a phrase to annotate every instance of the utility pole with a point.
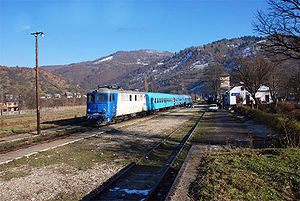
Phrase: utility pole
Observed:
(36, 34)
(2, 102)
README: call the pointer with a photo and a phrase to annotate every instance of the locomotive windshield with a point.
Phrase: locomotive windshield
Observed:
(91, 98)
(102, 98)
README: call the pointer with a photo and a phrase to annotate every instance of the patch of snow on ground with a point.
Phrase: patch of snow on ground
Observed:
(178, 64)
(200, 66)
(133, 191)
(102, 60)
(140, 62)
(261, 41)
(166, 71)
(154, 71)
(247, 51)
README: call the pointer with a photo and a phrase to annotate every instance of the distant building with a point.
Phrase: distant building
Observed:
(239, 95)
(263, 95)
(225, 81)
(69, 95)
(8, 97)
(48, 96)
(77, 95)
(57, 96)
(9, 107)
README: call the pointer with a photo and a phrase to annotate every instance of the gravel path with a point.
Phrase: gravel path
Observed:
(65, 182)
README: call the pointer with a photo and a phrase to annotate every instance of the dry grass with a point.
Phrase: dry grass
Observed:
(269, 174)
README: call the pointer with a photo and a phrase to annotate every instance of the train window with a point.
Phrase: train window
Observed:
(109, 97)
(102, 98)
(130, 98)
(113, 97)
(135, 97)
(151, 100)
(91, 98)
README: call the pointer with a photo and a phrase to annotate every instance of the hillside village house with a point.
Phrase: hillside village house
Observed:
(239, 94)
(9, 107)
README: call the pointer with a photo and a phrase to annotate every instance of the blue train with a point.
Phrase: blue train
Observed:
(107, 104)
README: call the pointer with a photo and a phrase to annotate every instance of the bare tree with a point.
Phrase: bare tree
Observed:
(152, 84)
(212, 77)
(253, 72)
(145, 83)
(281, 25)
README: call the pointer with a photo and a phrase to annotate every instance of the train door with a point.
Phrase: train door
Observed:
(113, 103)
(148, 103)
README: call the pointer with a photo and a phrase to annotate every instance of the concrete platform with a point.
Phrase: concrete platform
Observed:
(188, 172)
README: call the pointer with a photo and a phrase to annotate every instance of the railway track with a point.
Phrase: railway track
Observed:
(20, 142)
(140, 180)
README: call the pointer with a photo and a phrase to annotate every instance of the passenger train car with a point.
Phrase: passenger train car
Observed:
(105, 105)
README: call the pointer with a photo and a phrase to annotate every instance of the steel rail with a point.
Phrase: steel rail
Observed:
(174, 157)
(125, 171)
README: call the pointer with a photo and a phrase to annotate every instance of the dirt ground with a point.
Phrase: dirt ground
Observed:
(45, 176)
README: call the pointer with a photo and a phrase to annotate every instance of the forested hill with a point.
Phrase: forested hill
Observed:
(21, 81)
(183, 71)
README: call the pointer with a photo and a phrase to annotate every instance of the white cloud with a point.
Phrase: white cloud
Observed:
(22, 28)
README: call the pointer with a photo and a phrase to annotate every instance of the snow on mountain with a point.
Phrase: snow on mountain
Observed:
(102, 60)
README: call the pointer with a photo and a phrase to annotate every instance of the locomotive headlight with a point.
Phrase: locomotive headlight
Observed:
(89, 110)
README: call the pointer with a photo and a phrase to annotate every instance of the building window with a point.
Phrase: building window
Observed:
(130, 98)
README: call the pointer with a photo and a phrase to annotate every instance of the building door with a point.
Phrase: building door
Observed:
(247, 99)
(267, 98)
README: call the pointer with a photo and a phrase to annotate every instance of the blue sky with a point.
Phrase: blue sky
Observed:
(89, 29)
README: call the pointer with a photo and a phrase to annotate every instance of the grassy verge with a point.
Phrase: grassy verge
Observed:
(289, 128)
(205, 124)
(161, 154)
(269, 174)
(13, 124)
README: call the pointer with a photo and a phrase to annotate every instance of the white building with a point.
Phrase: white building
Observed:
(239, 94)
(263, 95)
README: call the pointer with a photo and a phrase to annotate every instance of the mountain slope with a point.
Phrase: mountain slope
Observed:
(182, 72)
(21, 81)
(102, 71)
